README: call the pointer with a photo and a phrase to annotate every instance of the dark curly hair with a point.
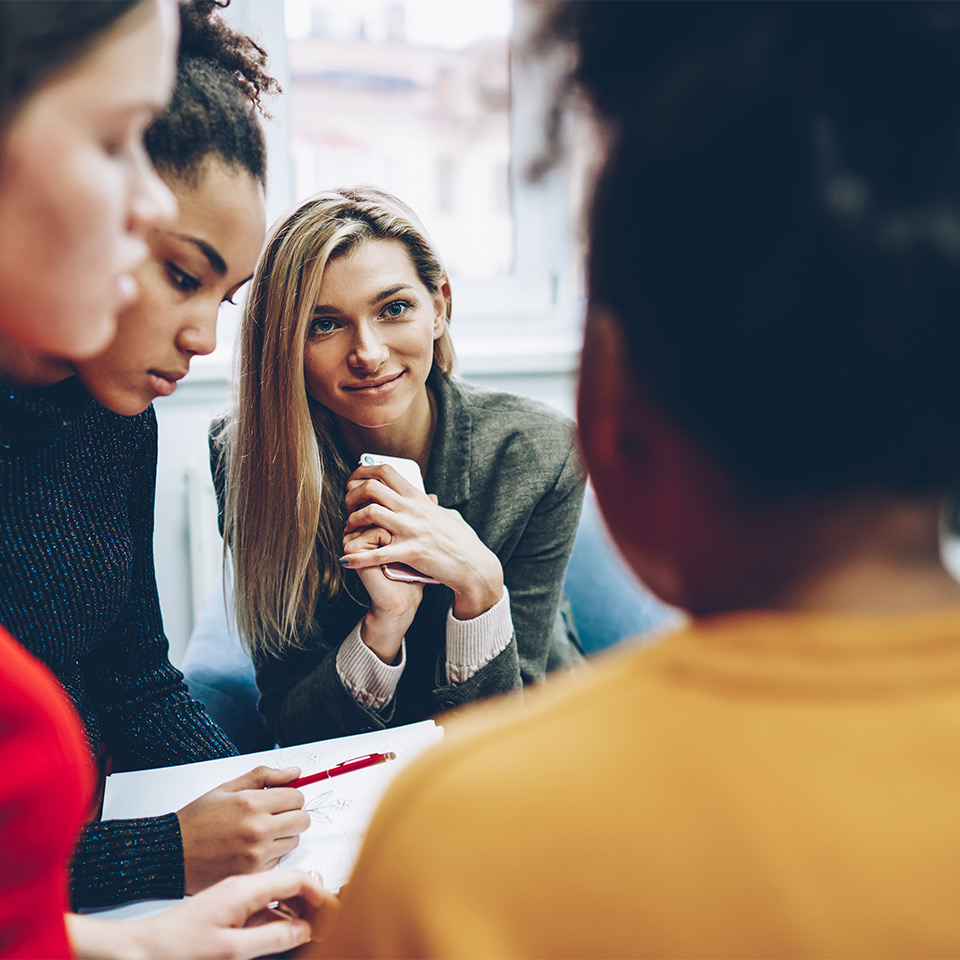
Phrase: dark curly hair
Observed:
(221, 79)
(778, 229)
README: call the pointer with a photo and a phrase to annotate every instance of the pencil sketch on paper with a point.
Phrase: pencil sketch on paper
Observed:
(308, 762)
(332, 864)
(339, 810)
(321, 806)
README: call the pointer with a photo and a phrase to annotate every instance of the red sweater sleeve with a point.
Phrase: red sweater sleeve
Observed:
(46, 783)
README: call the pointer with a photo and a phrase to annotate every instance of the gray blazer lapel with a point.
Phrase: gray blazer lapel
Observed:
(448, 472)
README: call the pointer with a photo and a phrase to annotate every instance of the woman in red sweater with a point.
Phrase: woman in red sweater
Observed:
(43, 798)
(79, 83)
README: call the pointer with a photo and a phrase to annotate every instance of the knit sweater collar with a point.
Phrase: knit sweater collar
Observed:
(63, 400)
(31, 417)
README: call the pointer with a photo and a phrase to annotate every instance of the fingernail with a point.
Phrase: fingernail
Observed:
(344, 561)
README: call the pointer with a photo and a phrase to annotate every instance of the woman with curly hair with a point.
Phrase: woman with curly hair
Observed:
(78, 485)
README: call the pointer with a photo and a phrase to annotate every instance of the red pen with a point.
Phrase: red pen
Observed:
(348, 766)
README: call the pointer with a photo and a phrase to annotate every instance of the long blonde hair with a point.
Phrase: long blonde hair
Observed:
(284, 513)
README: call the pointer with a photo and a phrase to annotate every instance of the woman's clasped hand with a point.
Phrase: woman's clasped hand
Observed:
(391, 521)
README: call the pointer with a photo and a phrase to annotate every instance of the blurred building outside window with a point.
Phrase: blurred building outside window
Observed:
(439, 102)
(412, 96)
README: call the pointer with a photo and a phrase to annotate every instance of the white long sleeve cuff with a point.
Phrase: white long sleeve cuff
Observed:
(370, 681)
(472, 644)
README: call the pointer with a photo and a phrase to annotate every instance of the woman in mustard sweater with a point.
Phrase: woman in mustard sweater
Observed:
(768, 411)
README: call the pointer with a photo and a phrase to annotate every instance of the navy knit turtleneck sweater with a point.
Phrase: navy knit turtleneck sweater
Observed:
(77, 589)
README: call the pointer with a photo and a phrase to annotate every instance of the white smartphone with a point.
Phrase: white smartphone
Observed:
(410, 471)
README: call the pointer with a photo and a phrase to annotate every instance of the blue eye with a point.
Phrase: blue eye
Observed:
(181, 279)
(396, 309)
(323, 325)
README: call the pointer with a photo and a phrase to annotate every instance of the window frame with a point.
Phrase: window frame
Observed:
(529, 320)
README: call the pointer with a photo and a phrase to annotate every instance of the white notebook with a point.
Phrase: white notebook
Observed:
(340, 808)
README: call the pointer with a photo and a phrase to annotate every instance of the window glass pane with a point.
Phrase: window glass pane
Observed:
(412, 96)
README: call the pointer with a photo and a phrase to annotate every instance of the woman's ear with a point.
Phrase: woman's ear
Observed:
(441, 299)
(660, 494)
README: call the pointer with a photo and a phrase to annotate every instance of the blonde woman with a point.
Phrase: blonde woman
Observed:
(346, 350)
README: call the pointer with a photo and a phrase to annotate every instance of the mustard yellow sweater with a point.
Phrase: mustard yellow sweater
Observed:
(756, 785)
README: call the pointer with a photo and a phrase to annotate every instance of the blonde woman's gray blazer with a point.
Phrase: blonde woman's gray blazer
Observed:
(510, 466)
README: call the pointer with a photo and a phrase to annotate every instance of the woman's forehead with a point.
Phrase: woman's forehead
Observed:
(372, 264)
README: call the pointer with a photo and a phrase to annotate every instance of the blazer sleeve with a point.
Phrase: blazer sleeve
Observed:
(533, 572)
(302, 697)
